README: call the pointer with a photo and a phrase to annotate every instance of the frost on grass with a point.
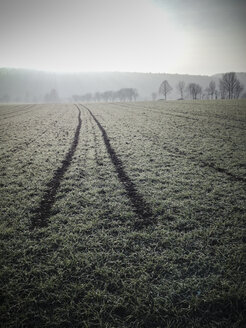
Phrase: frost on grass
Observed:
(89, 266)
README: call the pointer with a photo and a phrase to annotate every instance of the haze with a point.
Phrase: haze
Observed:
(194, 36)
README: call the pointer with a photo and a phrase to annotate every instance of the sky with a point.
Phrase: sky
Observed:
(160, 36)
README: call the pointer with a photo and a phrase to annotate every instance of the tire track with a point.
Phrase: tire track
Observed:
(141, 208)
(198, 114)
(177, 152)
(155, 111)
(44, 211)
(202, 163)
(197, 119)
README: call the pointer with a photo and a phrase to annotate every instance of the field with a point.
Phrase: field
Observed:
(123, 214)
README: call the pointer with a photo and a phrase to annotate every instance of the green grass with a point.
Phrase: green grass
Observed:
(90, 267)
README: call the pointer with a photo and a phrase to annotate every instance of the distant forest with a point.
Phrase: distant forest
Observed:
(30, 86)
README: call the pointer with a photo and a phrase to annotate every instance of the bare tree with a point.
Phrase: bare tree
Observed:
(135, 94)
(216, 93)
(194, 90)
(165, 88)
(222, 90)
(123, 94)
(180, 87)
(106, 96)
(238, 89)
(211, 89)
(230, 86)
(127, 94)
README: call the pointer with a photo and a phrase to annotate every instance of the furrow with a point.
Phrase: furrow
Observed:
(44, 211)
(141, 208)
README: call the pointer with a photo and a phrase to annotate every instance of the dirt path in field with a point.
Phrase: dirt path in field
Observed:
(44, 211)
(141, 208)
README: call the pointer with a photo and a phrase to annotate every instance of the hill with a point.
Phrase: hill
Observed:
(22, 85)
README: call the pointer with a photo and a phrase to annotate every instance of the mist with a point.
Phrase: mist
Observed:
(192, 37)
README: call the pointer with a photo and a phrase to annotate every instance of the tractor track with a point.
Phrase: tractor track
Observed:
(150, 109)
(141, 208)
(199, 115)
(156, 111)
(42, 214)
(201, 163)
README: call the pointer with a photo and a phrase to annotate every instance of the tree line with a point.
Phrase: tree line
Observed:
(124, 94)
(229, 88)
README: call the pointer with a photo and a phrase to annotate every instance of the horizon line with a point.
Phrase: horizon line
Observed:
(109, 71)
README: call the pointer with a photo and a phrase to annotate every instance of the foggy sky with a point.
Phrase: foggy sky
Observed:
(192, 36)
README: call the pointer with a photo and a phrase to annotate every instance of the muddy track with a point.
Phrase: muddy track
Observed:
(141, 208)
(42, 214)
